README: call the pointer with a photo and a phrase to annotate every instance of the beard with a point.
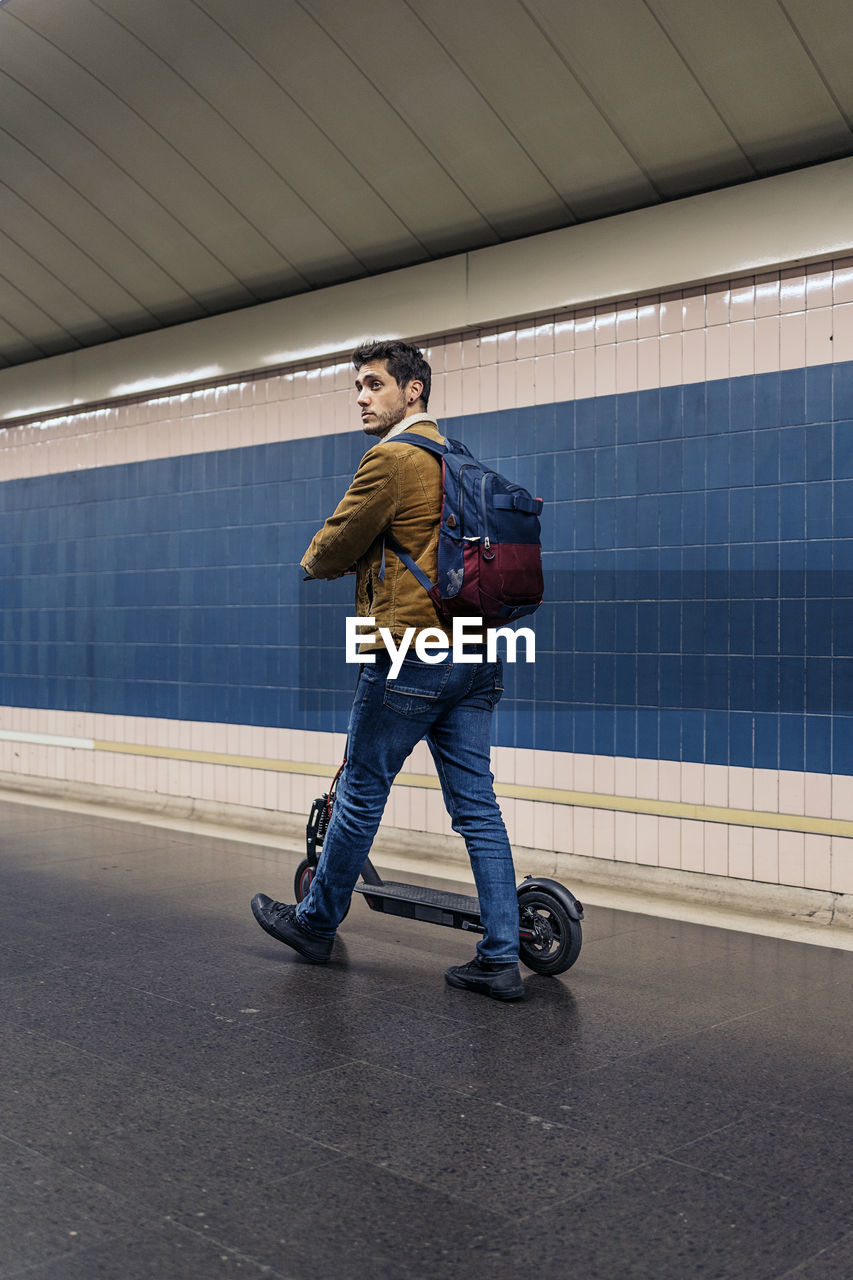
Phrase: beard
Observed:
(382, 422)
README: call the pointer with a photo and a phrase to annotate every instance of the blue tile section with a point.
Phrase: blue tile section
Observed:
(698, 549)
(172, 589)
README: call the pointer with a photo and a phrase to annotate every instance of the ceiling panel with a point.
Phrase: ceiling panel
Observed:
(98, 112)
(15, 348)
(31, 324)
(166, 160)
(267, 128)
(754, 69)
(335, 92)
(52, 296)
(125, 201)
(52, 250)
(635, 76)
(39, 187)
(441, 105)
(550, 115)
(825, 28)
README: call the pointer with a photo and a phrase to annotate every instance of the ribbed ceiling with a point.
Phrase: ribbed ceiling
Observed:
(163, 160)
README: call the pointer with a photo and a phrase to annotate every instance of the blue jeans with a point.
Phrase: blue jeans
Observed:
(451, 705)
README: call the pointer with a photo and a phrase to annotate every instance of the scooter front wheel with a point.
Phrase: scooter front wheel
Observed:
(549, 938)
(302, 879)
(302, 882)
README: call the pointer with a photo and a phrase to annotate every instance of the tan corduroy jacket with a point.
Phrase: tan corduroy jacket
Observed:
(396, 490)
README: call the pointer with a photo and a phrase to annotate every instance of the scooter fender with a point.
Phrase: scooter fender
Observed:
(563, 895)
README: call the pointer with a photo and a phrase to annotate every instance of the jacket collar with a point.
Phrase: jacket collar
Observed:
(408, 423)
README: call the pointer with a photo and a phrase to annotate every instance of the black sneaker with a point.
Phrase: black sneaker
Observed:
(501, 982)
(280, 922)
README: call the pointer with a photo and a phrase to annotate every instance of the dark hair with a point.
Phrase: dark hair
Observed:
(402, 361)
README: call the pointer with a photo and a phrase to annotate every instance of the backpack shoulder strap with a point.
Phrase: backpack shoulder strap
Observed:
(410, 437)
(407, 560)
(432, 446)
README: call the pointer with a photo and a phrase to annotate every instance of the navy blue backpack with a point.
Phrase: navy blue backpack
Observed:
(489, 555)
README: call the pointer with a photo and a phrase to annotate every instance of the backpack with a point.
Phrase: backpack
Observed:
(489, 556)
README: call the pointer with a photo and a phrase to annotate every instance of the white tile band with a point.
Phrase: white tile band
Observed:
(47, 739)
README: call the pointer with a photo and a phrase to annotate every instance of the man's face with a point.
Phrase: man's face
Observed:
(382, 403)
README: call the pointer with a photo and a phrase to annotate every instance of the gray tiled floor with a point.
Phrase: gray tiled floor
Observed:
(181, 1097)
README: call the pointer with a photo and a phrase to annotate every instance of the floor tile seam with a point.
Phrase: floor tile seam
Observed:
(803, 1112)
(139, 1198)
(650, 1153)
(806, 993)
(464, 1095)
(401, 1175)
(644, 1156)
(159, 1085)
(408, 1078)
(683, 1037)
(357, 1153)
(753, 1010)
(488, 1216)
(784, 1107)
(715, 1023)
(597, 1186)
(120, 986)
(127, 1234)
(94, 932)
(114, 1198)
(846, 1073)
(194, 1096)
(137, 991)
(364, 1000)
(121, 1063)
(798, 1269)
(28, 824)
(744, 1017)
(391, 998)
(46, 966)
(786, 1202)
(235, 1250)
(395, 1073)
(51, 1040)
(746, 1114)
(247, 1107)
(266, 1268)
(789, 1202)
(27, 852)
(626, 1059)
(532, 1116)
(359, 1058)
(653, 975)
(463, 1020)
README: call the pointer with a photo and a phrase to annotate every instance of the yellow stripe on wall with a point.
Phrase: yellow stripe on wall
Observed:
(509, 790)
(214, 757)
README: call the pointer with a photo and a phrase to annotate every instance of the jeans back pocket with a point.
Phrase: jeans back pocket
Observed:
(417, 688)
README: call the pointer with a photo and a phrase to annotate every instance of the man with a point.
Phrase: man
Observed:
(397, 491)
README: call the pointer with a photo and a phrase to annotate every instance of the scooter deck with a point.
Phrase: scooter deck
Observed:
(416, 902)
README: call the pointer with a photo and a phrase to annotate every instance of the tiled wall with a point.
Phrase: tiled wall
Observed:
(690, 705)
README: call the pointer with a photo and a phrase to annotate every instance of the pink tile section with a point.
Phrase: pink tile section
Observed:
(775, 320)
(805, 860)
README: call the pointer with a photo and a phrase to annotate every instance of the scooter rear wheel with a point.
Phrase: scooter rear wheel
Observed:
(550, 940)
(302, 882)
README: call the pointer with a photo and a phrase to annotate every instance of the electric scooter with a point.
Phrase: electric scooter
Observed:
(549, 925)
